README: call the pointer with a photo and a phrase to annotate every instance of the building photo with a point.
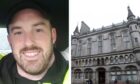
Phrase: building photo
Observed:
(109, 55)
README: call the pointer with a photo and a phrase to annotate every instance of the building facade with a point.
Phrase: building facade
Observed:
(109, 55)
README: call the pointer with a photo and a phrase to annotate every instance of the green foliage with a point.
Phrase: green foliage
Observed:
(1, 56)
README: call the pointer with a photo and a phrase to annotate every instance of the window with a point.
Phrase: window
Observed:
(86, 62)
(94, 61)
(90, 61)
(125, 39)
(102, 61)
(130, 28)
(89, 46)
(76, 62)
(116, 60)
(126, 59)
(111, 60)
(4, 45)
(121, 59)
(131, 74)
(83, 62)
(98, 61)
(136, 40)
(132, 59)
(88, 73)
(79, 62)
(136, 26)
(116, 74)
(77, 73)
(80, 47)
(73, 50)
(113, 43)
(100, 44)
(107, 61)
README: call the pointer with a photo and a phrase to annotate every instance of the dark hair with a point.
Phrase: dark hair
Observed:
(45, 12)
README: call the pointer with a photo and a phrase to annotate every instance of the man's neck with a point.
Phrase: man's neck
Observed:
(22, 73)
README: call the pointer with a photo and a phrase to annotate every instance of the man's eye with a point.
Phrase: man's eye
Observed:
(17, 33)
(39, 30)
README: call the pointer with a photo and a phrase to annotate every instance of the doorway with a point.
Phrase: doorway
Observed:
(101, 75)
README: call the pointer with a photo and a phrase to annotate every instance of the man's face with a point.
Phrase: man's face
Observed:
(31, 38)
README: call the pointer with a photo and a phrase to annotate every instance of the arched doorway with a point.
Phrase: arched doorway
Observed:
(101, 75)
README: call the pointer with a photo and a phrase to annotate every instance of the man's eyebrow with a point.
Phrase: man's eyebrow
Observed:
(14, 28)
(39, 23)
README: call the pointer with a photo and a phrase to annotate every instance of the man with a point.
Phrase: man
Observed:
(33, 60)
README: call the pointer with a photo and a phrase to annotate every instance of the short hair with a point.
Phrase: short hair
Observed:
(45, 12)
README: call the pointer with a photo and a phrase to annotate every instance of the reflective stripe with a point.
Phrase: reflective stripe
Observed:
(67, 78)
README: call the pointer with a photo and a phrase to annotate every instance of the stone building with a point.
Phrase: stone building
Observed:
(107, 55)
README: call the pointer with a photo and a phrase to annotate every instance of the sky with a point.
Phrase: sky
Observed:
(98, 13)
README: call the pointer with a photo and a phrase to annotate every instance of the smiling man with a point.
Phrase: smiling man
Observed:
(33, 60)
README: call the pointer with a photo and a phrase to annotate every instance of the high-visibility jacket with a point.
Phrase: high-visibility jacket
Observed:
(66, 78)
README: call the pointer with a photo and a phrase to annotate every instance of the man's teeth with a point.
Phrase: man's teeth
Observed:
(31, 53)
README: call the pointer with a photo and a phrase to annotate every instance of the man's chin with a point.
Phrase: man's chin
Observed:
(33, 67)
(33, 70)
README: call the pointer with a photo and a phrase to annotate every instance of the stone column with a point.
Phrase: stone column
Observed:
(138, 77)
(107, 77)
(94, 78)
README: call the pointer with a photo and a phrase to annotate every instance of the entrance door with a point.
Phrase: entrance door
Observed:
(101, 76)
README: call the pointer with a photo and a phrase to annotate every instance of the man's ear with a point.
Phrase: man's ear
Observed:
(54, 35)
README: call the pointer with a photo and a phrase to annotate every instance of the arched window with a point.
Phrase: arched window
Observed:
(98, 61)
(79, 62)
(116, 59)
(131, 74)
(126, 59)
(94, 62)
(77, 73)
(90, 61)
(88, 73)
(107, 61)
(76, 62)
(102, 61)
(111, 60)
(86, 62)
(83, 62)
(121, 59)
(132, 58)
(115, 74)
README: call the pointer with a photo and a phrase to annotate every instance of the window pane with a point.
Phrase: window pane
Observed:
(134, 72)
(128, 72)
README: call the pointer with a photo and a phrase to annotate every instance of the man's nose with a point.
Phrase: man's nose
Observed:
(28, 39)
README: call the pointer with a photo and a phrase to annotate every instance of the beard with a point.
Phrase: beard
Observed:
(35, 66)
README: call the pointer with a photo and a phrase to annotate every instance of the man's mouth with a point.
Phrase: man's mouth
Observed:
(31, 54)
